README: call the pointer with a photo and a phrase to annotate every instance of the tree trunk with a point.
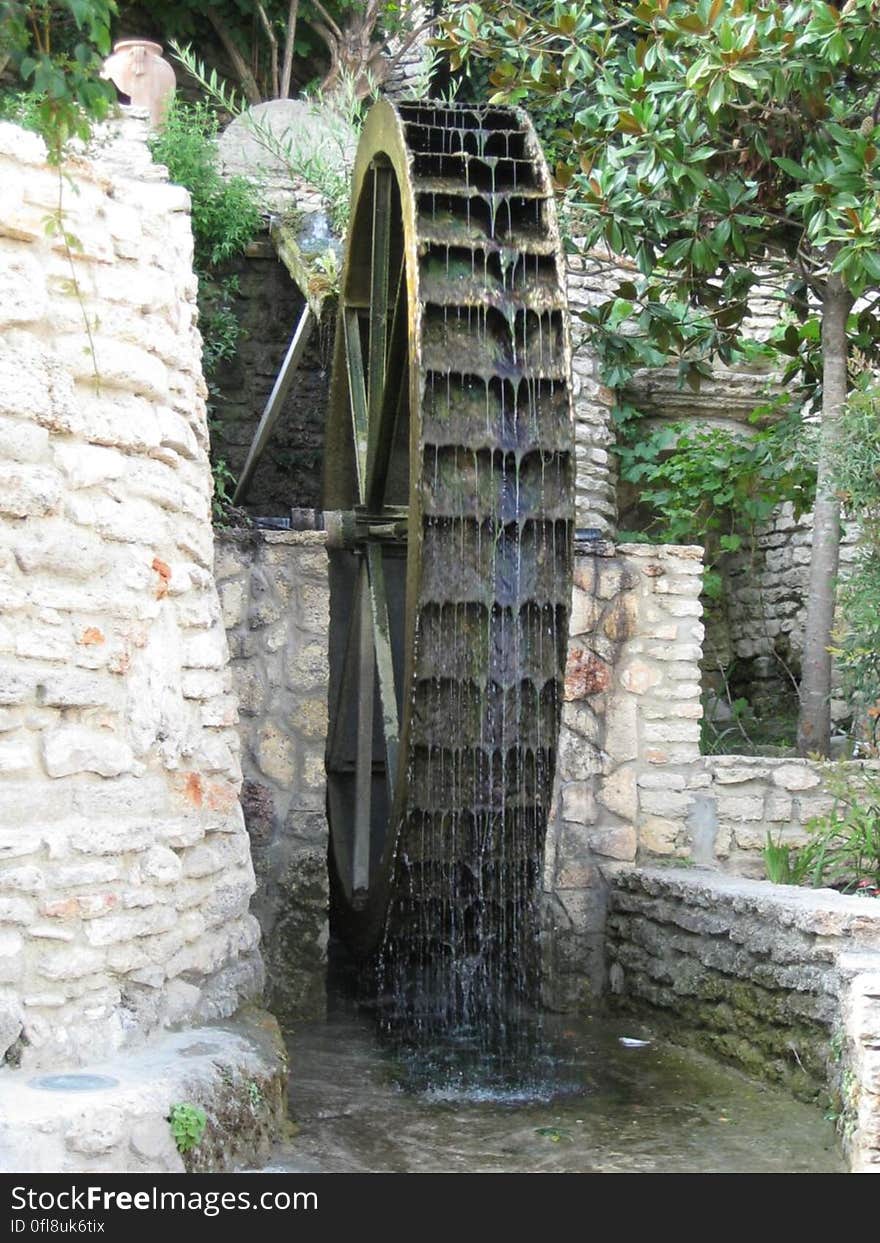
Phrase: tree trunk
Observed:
(289, 40)
(814, 721)
(239, 64)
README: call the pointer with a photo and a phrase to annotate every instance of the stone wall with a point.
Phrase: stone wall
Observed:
(765, 600)
(630, 734)
(275, 598)
(784, 981)
(124, 866)
(589, 282)
(267, 307)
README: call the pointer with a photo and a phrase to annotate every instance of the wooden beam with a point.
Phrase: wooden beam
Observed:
(280, 389)
(357, 395)
(384, 663)
(363, 776)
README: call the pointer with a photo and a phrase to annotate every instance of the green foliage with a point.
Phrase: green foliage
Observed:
(702, 131)
(843, 850)
(188, 1123)
(220, 327)
(57, 47)
(22, 109)
(856, 472)
(225, 211)
(712, 483)
(326, 169)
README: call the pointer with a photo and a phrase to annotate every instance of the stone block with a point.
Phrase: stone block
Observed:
(16, 756)
(77, 749)
(639, 677)
(618, 793)
(30, 491)
(796, 777)
(579, 802)
(658, 836)
(72, 962)
(275, 754)
(617, 841)
(740, 807)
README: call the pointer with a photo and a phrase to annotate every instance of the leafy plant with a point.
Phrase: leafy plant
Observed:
(325, 167)
(857, 638)
(716, 483)
(188, 1123)
(58, 48)
(718, 147)
(843, 851)
(225, 211)
(224, 487)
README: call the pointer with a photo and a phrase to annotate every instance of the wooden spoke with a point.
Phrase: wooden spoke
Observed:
(357, 394)
(379, 288)
(384, 662)
(393, 397)
(335, 761)
(364, 757)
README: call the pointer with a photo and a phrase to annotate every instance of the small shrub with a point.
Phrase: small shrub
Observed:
(225, 211)
(843, 851)
(188, 1124)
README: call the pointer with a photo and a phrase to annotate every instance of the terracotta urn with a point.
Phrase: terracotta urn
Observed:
(136, 68)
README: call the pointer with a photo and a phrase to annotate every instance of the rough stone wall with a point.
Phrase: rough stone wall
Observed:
(784, 981)
(736, 801)
(275, 598)
(124, 865)
(630, 734)
(268, 306)
(766, 606)
(590, 282)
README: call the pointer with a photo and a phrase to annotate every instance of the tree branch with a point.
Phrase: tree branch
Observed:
(273, 44)
(327, 19)
(239, 64)
(410, 40)
(289, 40)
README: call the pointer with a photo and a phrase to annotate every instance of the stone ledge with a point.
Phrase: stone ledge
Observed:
(235, 1071)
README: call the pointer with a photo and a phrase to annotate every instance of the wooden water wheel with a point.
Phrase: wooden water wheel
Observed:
(449, 499)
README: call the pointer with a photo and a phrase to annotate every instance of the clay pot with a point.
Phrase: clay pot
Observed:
(136, 68)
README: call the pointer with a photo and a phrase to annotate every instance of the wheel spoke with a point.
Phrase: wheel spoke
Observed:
(393, 397)
(379, 288)
(363, 778)
(384, 663)
(336, 762)
(357, 394)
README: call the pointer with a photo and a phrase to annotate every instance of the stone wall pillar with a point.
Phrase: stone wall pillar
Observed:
(629, 739)
(276, 599)
(125, 873)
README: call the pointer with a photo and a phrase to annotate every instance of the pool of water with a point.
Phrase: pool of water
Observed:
(587, 1103)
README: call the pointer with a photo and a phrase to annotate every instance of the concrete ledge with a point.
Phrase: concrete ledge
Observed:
(782, 980)
(235, 1071)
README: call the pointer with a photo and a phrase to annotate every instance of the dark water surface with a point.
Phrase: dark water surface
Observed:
(587, 1105)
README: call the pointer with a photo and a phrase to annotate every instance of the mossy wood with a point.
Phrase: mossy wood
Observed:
(449, 491)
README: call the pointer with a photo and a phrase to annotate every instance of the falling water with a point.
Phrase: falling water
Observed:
(459, 966)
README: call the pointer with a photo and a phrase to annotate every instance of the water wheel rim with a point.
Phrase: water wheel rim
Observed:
(363, 915)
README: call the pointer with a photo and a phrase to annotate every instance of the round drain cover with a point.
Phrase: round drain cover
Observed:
(73, 1083)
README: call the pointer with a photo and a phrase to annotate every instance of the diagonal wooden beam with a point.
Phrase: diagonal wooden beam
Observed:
(393, 396)
(384, 663)
(298, 342)
(354, 364)
(379, 262)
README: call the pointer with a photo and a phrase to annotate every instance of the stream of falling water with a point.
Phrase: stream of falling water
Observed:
(459, 968)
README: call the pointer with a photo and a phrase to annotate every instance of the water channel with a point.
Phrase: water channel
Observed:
(588, 1104)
